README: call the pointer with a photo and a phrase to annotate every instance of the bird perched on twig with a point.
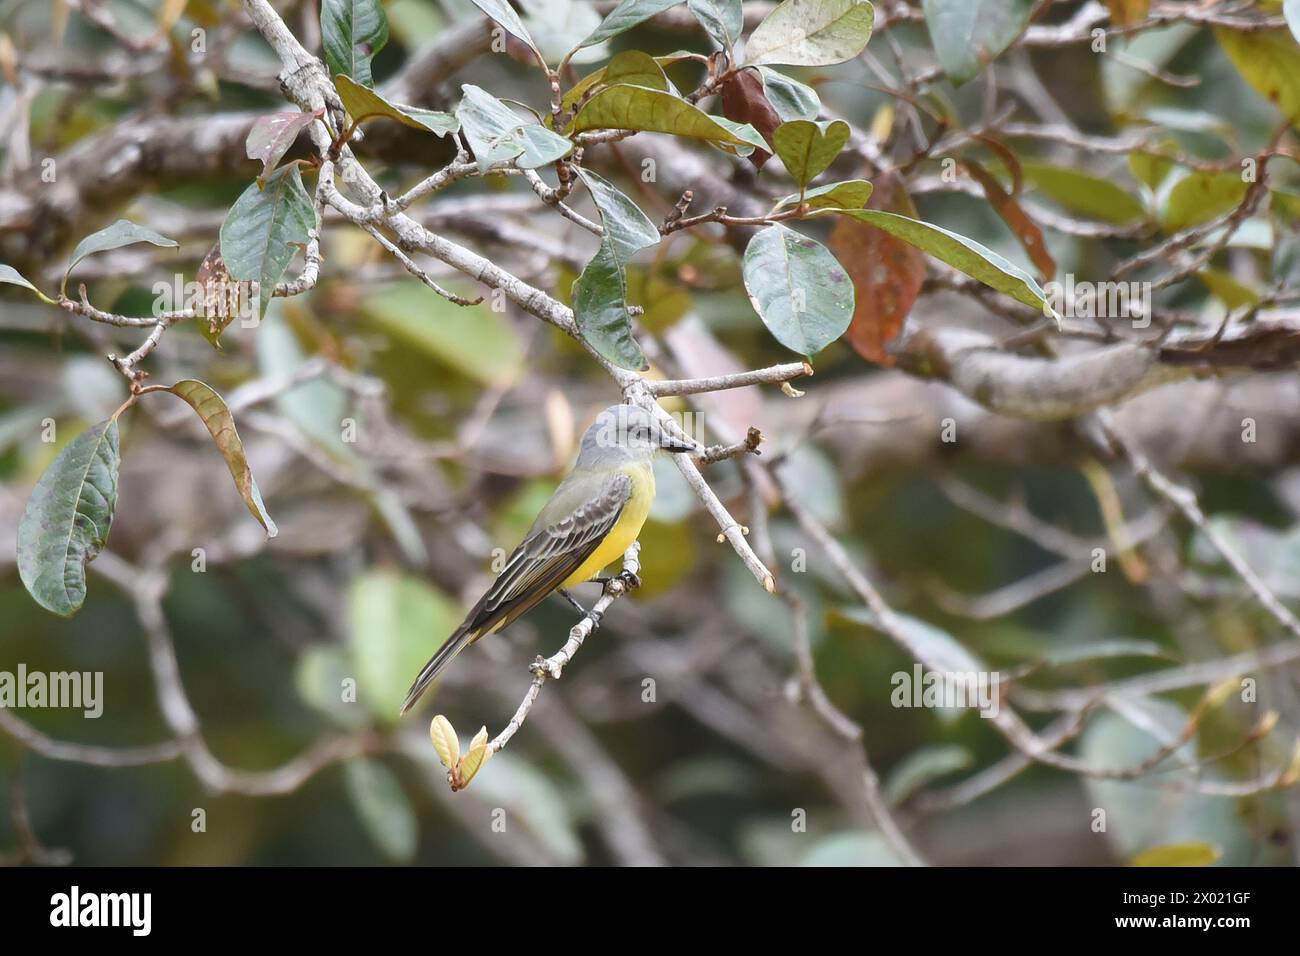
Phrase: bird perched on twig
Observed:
(593, 517)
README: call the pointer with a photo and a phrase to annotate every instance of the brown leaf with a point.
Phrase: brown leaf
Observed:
(220, 302)
(1125, 13)
(745, 101)
(211, 408)
(1013, 214)
(886, 273)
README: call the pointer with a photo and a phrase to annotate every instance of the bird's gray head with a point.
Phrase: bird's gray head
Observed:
(629, 431)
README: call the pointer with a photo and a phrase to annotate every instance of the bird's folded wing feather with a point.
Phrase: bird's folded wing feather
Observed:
(548, 556)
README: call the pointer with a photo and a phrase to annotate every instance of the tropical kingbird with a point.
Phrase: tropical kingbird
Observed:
(593, 517)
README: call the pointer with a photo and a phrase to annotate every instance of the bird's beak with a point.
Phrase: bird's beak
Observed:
(675, 445)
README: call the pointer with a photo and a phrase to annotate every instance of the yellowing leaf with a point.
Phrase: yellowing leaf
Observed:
(363, 103)
(211, 408)
(1226, 289)
(653, 111)
(445, 741)
(474, 760)
(1178, 854)
(1085, 193)
(1198, 197)
(1269, 60)
(1125, 13)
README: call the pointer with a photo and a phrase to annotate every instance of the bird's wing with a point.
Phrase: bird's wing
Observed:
(548, 556)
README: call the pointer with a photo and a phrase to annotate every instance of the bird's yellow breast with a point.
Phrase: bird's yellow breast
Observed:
(625, 530)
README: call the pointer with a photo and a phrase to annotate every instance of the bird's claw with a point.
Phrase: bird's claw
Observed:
(631, 580)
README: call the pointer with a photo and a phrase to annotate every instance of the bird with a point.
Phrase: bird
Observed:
(593, 517)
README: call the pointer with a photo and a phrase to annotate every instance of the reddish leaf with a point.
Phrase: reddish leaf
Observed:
(745, 101)
(272, 135)
(1013, 214)
(886, 272)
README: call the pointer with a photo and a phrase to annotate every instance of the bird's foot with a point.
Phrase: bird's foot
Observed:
(631, 580)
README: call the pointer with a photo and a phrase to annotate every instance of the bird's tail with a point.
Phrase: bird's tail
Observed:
(458, 641)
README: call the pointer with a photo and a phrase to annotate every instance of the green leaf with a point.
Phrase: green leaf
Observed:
(10, 275)
(724, 20)
(541, 147)
(807, 147)
(1197, 197)
(625, 16)
(1226, 289)
(477, 342)
(490, 126)
(120, 233)
(1085, 193)
(653, 111)
(799, 290)
(363, 103)
(396, 623)
(634, 68)
(1276, 553)
(1100, 650)
(211, 408)
(791, 99)
(751, 138)
(600, 309)
(436, 121)
(1178, 854)
(504, 14)
(273, 134)
(631, 67)
(922, 767)
(628, 228)
(1280, 202)
(67, 519)
(965, 255)
(1149, 170)
(833, 197)
(1269, 60)
(1138, 816)
(383, 808)
(935, 648)
(319, 678)
(811, 33)
(967, 35)
(600, 293)
(557, 26)
(352, 32)
(263, 227)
